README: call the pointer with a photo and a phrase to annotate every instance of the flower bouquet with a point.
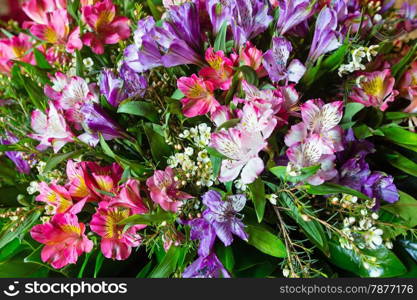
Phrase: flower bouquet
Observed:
(239, 138)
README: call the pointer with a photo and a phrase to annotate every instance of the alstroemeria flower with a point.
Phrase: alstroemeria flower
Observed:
(15, 156)
(220, 71)
(199, 96)
(134, 84)
(206, 267)
(242, 149)
(51, 129)
(15, 48)
(59, 82)
(275, 62)
(249, 19)
(375, 89)
(76, 185)
(116, 243)
(221, 115)
(107, 27)
(56, 196)
(408, 87)
(222, 215)
(64, 240)
(112, 87)
(381, 187)
(202, 230)
(56, 31)
(164, 190)
(129, 197)
(252, 57)
(292, 13)
(37, 10)
(256, 121)
(219, 12)
(326, 37)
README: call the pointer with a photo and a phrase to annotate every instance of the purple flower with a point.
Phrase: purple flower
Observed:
(219, 12)
(326, 38)
(408, 12)
(381, 187)
(354, 173)
(134, 84)
(112, 87)
(250, 18)
(275, 62)
(222, 215)
(293, 13)
(97, 121)
(206, 267)
(203, 231)
(16, 157)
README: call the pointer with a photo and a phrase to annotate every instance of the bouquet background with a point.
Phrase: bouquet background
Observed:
(241, 138)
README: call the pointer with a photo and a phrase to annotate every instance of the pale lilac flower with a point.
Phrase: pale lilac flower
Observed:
(206, 267)
(219, 12)
(326, 37)
(223, 215)
(51, 129)
(242, 149)
(275, 62)
(381, 187)
(112, 87)
(134, 84)
(202, 230)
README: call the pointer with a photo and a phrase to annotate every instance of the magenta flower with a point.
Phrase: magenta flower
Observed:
(408, 87)
(206, 267)
(164, 190)
(56, 31)
(222, 215)
(37, 10)
(64, 240)
(220, 70)
(51, 129)
(275, 62)
(116, 242)
(252, 57)
(199, 98)
(375, 89)
(15, 48)
(107, 27)
(56, 196)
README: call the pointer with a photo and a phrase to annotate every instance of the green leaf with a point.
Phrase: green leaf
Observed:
(56, 159)
(106, 148)
(214, 152)
(398, 69)
(72, 8)
(216, 163)
(228, 124)
(312, 229)
(333, 188)
(281, 172)
(145, 270)
(168, 264)
(86, 258)
(220, 42)
(155, 12)
(225, 255)
(177, 95)
(265, 241)
(140, 108)
(17, 267)
(386, 263)
(159, 148)
(41, 61)
(397, 115)
(98, 264)
(257, 193)
(351, 109)
(405, 208)
(400, 136)
(21, 229)
(153, 218)
(249, 74)
(400, 162)
(11, 249)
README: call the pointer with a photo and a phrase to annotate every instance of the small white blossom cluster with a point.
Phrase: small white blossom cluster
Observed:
(54, 175)
(193, 164)
(360, 228)
(358, 55)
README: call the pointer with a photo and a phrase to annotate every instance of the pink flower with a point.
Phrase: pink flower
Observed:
(221, 115)
(107, 28)
(64, 240)
(252, 57)
(242, 149)
(56, 196)
(199, 96)
(51, 129)
(408, 87)
(375, 89)
(56, 31)
(116, 242)
(15, 48)
(220, 70)
(37, 9)
(164, 190)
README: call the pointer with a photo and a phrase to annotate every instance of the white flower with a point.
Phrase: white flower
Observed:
(189, 151)
(286, 272)
(88, 62)
(33, 187)
(373, 237)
